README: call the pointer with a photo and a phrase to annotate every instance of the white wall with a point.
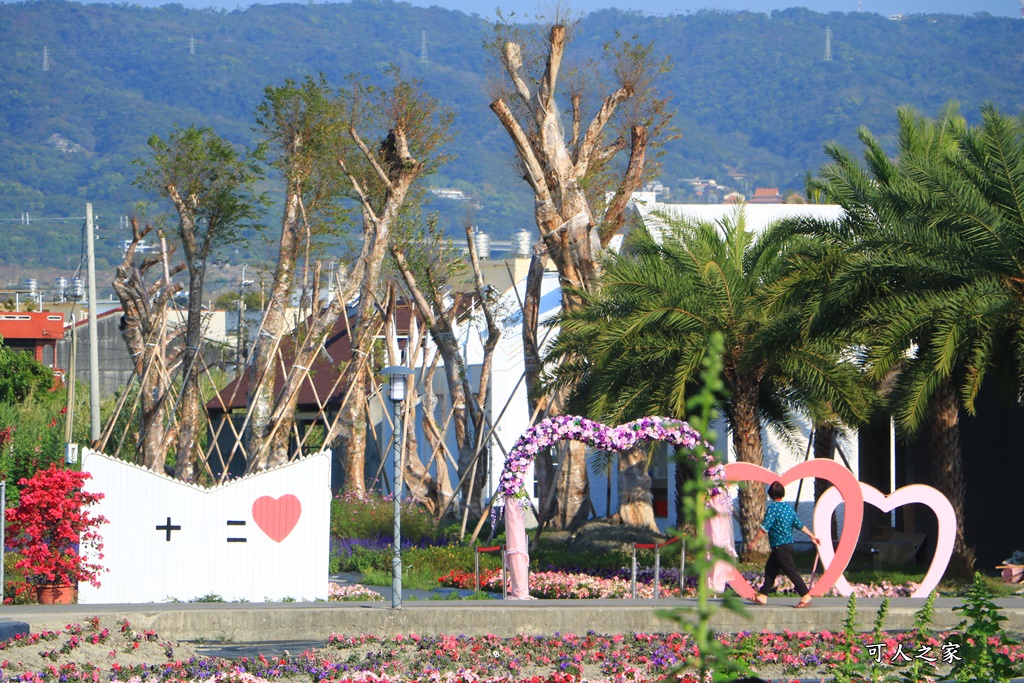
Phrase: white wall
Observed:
(283, 515)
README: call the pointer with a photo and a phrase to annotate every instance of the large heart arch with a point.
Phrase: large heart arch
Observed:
(543, 435)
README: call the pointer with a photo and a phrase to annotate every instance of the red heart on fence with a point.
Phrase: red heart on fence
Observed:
(277, 516)
(838, 476)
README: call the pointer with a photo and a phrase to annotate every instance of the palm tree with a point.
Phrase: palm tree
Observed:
(636, 347)
(934, 270)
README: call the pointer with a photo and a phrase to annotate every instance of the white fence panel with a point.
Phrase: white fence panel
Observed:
(260, 538)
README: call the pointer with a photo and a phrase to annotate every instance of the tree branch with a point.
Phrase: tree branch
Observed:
(615, 216)
(371, 157)
(512, 57)
(534, 171)
(600, 120)
(360, 194)
(556, 49)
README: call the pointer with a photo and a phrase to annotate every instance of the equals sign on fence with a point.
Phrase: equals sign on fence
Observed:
(236, 539)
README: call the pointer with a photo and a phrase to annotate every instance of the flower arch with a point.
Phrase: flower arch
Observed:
(512, 484)
(597, 435)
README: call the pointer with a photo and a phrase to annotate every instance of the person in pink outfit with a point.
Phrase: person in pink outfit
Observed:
(517, 552)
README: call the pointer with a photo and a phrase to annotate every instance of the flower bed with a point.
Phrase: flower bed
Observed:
(356, 593)
(91, 653)
(554, 584)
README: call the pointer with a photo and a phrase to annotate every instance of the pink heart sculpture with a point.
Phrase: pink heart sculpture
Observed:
(277, 516)
(914, 493)
(841, 479)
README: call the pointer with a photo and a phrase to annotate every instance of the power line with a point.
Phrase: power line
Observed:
(27, 219)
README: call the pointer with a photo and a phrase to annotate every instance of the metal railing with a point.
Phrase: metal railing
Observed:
(656, 547)
(476, 567)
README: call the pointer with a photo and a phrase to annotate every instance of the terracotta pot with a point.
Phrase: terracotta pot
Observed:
(55, 595)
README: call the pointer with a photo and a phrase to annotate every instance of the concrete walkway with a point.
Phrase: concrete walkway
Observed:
(226, 623)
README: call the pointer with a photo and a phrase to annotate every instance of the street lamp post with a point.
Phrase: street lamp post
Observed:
(240, 351)
(397, 377)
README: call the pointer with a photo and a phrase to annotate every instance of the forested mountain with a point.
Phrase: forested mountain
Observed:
(85, 85)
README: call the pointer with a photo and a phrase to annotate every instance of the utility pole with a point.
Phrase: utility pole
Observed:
(46, 59)
(94, 351)
(191, 45)
(423, 46)
(70, 448)
(828, 43)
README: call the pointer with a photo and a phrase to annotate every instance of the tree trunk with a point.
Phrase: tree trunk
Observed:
(187, 452)
(143, 330)
(351, 438)
(944, 441)
(564, 504)
(635, 499)
(746, 439)
(684, 473)
(532, 363)
(559, 167)
(262, 368)
(575, 497)
(436, 439)
(418, 481)
(824, 445)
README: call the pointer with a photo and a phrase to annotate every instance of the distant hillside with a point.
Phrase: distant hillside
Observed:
(85, 85)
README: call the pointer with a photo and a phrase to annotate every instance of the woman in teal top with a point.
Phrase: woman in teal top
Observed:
(779, 522)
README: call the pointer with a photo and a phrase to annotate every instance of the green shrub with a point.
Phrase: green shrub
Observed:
(22, 376)
(421, 567)
(371, 516)
(34, 438)
(17, 590)
(558, 557)
(980, 644)
(361, 558)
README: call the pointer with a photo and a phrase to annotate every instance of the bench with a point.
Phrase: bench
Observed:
(1011, 573)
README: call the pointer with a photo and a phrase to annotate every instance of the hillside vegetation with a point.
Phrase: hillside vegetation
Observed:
(755, 95)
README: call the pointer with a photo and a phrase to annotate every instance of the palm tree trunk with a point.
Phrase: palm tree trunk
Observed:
(944, 441)
(824, 445)
(635, 497)
(746, 441)
(573, 487)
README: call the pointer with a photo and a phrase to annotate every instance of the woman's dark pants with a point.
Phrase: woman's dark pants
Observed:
(781, 559)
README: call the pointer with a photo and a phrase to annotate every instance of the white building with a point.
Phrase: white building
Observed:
(507, 403)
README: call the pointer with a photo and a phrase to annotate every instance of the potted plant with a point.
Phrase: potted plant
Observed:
(52, 528)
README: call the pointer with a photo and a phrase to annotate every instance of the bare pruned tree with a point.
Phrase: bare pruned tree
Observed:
(428, 264)
(211, 186)
(571, 170)
(302, 128)
(149, 341)
(406, 130)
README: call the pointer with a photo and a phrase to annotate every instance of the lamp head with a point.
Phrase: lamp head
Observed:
(397, 377)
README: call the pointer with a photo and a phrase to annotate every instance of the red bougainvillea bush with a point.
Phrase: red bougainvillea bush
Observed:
(52, 527)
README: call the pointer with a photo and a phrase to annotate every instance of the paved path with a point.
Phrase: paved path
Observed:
(227, 623)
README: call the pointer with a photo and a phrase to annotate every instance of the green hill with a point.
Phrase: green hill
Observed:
(86, 85)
